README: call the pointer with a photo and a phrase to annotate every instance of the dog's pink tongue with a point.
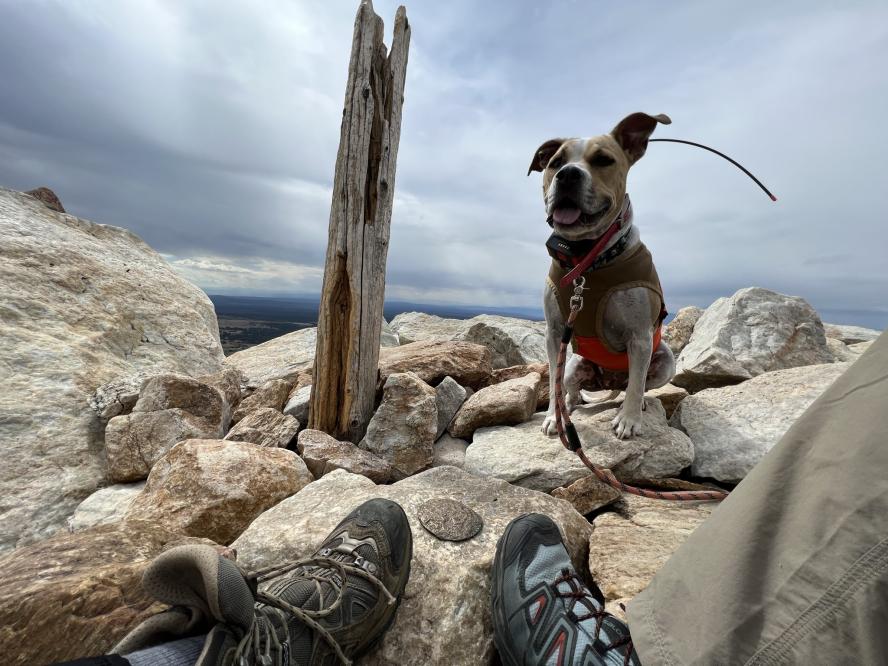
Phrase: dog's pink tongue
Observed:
(566, 215)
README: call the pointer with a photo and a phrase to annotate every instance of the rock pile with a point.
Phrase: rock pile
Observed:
(136, 394)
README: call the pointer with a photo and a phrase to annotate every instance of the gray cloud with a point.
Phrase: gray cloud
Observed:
(210, 129)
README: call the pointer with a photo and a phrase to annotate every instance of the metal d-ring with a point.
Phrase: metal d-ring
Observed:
(576, 301)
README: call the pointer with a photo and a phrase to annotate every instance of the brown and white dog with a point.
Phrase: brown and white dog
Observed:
(584, 189)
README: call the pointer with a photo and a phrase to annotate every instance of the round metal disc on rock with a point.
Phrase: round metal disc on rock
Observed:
(449, 520)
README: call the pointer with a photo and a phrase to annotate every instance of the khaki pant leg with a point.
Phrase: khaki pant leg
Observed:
(793, 567)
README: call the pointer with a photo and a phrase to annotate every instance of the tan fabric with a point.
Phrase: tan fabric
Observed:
(635, 269)
(793, 567)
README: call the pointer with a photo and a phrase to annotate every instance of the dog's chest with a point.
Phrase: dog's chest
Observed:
(635, 269)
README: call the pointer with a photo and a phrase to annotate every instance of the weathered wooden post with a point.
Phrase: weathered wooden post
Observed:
(347, 353)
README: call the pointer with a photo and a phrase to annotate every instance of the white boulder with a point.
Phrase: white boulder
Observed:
(82, 304)
(734, 426)
(752, 332)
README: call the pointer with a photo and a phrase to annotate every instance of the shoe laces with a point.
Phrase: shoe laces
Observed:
(580, 595)
(334, 571)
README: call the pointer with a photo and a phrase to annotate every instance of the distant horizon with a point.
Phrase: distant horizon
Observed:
(867, 318)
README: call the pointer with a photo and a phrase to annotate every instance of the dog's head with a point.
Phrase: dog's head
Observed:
(584, 180)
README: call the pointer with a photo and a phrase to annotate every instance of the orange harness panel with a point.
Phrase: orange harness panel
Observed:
(593, 349)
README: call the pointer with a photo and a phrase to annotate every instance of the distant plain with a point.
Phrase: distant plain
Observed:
(245, 321)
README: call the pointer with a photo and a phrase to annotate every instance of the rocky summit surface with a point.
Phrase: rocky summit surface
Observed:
(444, 616)
(124, 432)
(82, 304)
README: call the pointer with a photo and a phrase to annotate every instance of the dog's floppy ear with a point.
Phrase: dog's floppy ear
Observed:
(633, 131)
(543, 154)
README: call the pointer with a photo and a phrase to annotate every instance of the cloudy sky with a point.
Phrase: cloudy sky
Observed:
(210, 129)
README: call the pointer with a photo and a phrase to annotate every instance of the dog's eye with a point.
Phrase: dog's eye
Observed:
(601, 160)
(556, 162)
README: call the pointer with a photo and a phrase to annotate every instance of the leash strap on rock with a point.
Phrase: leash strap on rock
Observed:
(571, 440)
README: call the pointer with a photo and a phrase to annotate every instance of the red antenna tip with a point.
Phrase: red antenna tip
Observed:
(773, 198)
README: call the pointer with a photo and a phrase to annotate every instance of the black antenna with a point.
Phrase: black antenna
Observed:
(734, 162)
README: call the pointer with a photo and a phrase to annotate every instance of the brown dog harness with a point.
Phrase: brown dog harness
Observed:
(640, 265)
(628, 271)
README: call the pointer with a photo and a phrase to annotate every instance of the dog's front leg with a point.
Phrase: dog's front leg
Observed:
(628, 420)
(554, 329)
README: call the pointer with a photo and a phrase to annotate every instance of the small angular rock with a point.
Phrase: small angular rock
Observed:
(323, 453)
(271, 394)
(450, 451)
(298, 404)
(402, 431)
(135, 442)
(387, 337)
(449, 397)
(669, 396)
(517, 371)
(507, 403)
(228, 382)
(265, 427)
(118, 396)
(587, 494)
(677, 333)
(171, 391)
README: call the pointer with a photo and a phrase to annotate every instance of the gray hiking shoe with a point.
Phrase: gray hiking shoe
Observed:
(543, 613)
(326, 609)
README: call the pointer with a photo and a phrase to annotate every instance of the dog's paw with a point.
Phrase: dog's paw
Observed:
(627, 425)
(549, 426)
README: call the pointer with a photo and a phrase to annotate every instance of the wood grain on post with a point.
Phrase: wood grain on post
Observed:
(347, 353)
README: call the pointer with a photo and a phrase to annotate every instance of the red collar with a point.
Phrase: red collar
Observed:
(625, 216)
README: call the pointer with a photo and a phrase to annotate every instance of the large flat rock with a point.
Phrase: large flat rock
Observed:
(511, 340)
(279, 358)
(733, 427)
(628, 546)
(432, 361)
(444, 617)
(81, 304)
(75, 595)
(284, 356)
(850, 334)
(526, 457)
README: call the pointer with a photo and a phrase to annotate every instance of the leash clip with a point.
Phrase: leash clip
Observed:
(576, 301)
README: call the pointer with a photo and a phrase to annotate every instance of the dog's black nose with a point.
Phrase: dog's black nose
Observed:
(568, 175)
